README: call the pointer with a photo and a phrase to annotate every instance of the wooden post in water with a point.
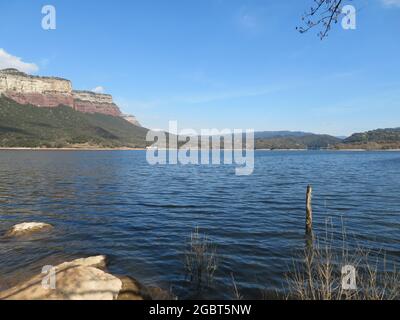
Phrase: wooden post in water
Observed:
(309, 210)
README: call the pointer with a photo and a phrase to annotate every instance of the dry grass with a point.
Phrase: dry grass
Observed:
(318, 274)
(200, 259)
(236, 294)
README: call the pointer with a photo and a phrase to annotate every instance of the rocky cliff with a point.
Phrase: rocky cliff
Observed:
(90, 102)
(53, 92)
(38, 91)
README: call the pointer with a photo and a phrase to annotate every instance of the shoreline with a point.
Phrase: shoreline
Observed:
(144, 149)
(71, 149)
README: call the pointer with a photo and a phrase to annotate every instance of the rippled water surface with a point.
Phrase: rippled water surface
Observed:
(140, 216)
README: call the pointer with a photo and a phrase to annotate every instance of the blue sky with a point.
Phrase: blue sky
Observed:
(218, 63)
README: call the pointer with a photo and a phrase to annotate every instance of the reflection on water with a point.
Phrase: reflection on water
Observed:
(140, 216)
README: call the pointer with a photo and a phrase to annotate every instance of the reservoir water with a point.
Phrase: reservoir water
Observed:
(140, 216)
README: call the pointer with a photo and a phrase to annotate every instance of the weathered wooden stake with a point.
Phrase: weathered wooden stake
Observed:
(309, 210)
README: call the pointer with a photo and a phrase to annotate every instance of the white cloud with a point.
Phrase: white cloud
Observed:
(98, 89)
(9, 61)
(391, 3)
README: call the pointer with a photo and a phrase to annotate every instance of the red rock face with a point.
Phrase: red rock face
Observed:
(91, 107)
(52, 100)
(49, 100)
(53, 92)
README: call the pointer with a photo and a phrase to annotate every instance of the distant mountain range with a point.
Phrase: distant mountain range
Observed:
(47, 112)
(278, 134)
(380, 139)
(294, 140)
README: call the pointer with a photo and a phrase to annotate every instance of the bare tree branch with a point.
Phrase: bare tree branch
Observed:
(324, 13)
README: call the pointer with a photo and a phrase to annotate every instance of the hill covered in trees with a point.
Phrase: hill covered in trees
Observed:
(380, 139)
(33, 127)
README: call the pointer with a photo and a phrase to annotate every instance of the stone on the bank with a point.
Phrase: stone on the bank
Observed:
(83, 279)
(80, 279)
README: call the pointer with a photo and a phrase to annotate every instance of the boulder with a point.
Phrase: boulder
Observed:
(80, 279)
(27, 228)
(83, 279)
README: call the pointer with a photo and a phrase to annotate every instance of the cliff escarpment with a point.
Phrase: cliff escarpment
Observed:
(53, 92)
(90, 102)
(38, 91)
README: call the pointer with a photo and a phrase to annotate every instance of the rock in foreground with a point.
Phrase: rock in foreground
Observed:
(27, 228)
(81, 279)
